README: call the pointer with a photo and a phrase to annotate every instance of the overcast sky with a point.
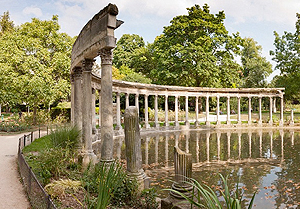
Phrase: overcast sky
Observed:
(252, 18)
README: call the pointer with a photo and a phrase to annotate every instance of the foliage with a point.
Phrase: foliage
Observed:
(6, 25)
(13, 125)
(34, 61)
(205, 197)
(196, 50)
(286, 56)
(255, 67)
(131, 76)
(58, 188)
(66, 137)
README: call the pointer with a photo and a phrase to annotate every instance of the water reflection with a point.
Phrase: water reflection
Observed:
(265, 160)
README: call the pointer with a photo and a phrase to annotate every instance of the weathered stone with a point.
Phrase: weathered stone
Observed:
(133, 147)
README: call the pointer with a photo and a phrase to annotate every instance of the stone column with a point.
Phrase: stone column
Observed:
(147, 150)
(176, 111)
(281, 110)
(249, 110)
(166, 111)
(156, 124)
(87, 112)
(187, 111)
(146, 112)
(106, 106)
(94, 129)
(271, 119)
(207, 111)
(77, 72)
(239, 110)
(133, 147)
(197, 111)
(118, 126)
(218, 110)
(126, 100)
(72, 99)
(292, 118)
(136, 97)
(99, 122)
(274, 105)
(259, 111)
(228, 110)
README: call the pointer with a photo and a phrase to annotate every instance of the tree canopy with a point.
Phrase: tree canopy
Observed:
(35, 60)
(287, 58)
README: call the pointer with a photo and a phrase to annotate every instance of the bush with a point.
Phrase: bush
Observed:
(13, 125)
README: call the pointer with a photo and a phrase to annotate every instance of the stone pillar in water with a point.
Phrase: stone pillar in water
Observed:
(183, 172)
(133, 147)
(292, 118)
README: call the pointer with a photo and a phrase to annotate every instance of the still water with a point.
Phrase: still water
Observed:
(266, 161)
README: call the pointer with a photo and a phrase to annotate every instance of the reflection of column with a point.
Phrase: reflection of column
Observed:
(176, 111)
(126, 100)
(156, 124)
(197, 147)
(260, 143)
(147, 150)
(207, 146)
(197, 111)
(118, 127)
(218, 110)
(259, 111)
(250, 144)
(228, 144)
(281, 111)
(249, 110)
(156, 149)
(219, 145)
(274, 105)
(270, 113)
(146, 112)
(87, 111)
(239, 110)
(207, 111)
(137, 103)
(240, 144)
(166, 111)
(228, 110)
(282, 146)
(187, 111)
(167, 150)
(271, 144)
(187, 138)
(292, 134)
(292, 118)
(176, 139)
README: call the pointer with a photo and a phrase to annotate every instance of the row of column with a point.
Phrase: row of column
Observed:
(207, 120)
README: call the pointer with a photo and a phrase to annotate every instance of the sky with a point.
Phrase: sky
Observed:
(257, 19)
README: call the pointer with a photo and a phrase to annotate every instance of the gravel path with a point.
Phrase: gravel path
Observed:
(12, 194)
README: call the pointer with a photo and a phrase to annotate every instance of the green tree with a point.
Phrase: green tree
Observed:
(287, 58)
(6, 25)
(127, 48)
(196, 50)
(255, 67)
(37, 58)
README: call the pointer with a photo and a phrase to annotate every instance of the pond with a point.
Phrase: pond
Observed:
(266, 161)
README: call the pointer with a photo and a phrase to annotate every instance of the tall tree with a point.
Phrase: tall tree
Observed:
(6, 25)
(255, 67)
(287, 57)
(196, 50)
(37, 58)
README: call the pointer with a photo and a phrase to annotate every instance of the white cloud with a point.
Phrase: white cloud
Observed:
(32, 10)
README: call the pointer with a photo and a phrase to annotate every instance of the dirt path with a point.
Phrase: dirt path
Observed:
(12, 194)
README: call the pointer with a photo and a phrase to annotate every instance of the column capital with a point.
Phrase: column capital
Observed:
(106, 56)
(118, 93)
(88, 64)
(228, 97)
(77, 72)
(166, 96)
(249, 97)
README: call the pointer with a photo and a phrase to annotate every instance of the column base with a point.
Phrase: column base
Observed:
(291, 123)
(89, 157)
(207, 123)
(249, 122)
(156, 125)
(259, 122)
(239, 122)
(280, 123)
(147, 125)
(118, 128)
(228, 122)
(270, 123)
(176, 123)
(142, 179)
(196, 123)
